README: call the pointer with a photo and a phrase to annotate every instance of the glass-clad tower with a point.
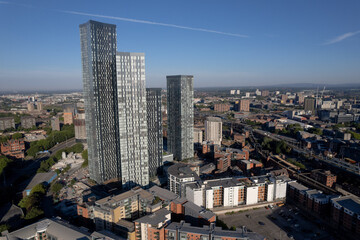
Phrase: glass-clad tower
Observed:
(132, 119)
(98, 54)
(180, 95)
(155, 131)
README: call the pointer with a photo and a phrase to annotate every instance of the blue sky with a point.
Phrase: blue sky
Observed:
(261, 42)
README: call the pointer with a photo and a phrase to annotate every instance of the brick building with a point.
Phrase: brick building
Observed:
(221, 107)
(324, 177)
(13, 148)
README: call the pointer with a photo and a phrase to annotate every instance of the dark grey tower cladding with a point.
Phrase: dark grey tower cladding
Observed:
(98, 54)
(180, 107)
(155, 132)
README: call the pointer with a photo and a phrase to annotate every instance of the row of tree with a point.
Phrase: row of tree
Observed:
(53, 138)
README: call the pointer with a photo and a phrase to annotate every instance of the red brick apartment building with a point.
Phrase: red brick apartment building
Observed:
(345, 212)
(13, 148)
(221, 107)
(324, 177)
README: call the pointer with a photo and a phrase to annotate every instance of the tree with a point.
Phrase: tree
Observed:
(4, 162)
(85, 157)
(40, 189)
(4, 139)
(30, 201)
(34, 212)
(4, 227)
(56, 187)
(16, 136)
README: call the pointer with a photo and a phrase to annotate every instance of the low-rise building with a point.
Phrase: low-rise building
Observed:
(13, 148)
(324, 177)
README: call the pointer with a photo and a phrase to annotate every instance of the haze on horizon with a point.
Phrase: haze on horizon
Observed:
(240, 43)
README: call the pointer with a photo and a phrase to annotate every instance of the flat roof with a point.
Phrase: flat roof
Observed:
(351, 203)
(298, 186)
(155, 218)
(40, 178)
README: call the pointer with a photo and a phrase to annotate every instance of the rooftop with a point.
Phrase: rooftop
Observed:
(56, 227)
(156, 218)
(206, 214)
(110, 200)
(298, 186)
(40, 178)
(350, 203)
(181, 170)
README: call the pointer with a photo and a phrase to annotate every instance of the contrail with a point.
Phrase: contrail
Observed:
(341, 38)
(138, 21)
(155, 23)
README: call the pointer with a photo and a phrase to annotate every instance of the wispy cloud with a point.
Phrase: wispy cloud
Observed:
(341, 38)
(3, 2)
(156, 23)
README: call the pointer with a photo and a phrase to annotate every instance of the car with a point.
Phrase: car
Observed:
(266, 207)
(261, 223)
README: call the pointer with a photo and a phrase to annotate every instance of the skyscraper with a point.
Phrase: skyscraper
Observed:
(213, 130)
(155, 131)
(180, 110)
(98, 54)
(309, 105)
(132, 119)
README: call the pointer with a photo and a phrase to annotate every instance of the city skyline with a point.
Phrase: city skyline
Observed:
(237, 44)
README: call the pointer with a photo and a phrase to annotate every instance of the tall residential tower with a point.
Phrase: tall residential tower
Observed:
(180, 110)
(132, 119)
(155, 131)
(98, 54)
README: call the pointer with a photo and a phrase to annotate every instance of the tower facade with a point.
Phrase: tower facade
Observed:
(131, 91)
(98, 54)
(155, 131)
(213, 130)
(180, 95)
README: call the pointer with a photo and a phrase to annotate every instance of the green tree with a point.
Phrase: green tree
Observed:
(29, 201)
(4, 139)
(4, 162)
(4, 227)
(56, 187)
(17, 136)
(85, 157)
(34, 212)
(40, 189)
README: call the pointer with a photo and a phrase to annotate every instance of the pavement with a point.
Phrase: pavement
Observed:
(279, 223)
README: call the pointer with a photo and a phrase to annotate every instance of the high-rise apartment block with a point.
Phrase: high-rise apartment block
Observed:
(155, 131)
(98, 52)
(131, 91)
(213, 130)
(6, 123)
(180, 109)
(244, 105)
(28, 122)
(39, 106)
(198, 135)
(115, 107)
(55, 123)
(30, 107)
(309, 105)
(79, 127)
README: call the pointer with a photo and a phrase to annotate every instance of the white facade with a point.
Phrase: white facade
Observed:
(252, 195)
(209, 198)
(232, 92)
(198, 135)
(247, 94)
(213, 130)
(195, 195)
(270, 192)
(132, 118)
(231, 196)
(257, 92)
(280, 190)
